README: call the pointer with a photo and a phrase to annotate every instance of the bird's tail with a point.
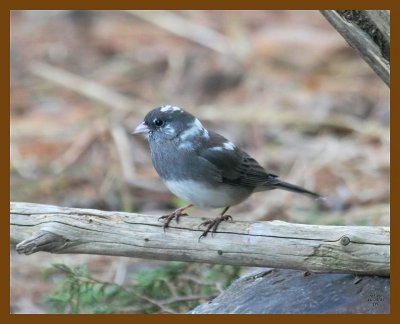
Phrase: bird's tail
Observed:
(290, 187)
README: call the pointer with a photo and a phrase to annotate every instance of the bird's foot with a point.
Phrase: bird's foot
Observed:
(212, 224)
(176, 214)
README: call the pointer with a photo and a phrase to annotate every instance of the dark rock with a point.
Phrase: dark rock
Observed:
(294, 292)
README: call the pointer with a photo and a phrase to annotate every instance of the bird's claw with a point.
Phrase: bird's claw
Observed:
(172, 216)
(212, 225)
(228, 218)
(168, 218)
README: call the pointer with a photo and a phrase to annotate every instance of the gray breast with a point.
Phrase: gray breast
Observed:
(172, 162)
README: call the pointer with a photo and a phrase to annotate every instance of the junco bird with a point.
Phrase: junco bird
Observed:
(203, 167)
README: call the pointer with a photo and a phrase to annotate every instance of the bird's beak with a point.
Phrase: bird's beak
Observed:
(142, 128)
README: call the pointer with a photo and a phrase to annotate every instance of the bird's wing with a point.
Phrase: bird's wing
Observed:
(234, 166)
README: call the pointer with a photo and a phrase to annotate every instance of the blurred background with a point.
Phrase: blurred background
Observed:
(283, 85)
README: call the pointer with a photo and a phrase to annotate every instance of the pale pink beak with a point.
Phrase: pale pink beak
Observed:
(142, 128)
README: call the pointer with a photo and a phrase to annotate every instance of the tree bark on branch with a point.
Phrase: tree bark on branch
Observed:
(347, 249)
(367, 31)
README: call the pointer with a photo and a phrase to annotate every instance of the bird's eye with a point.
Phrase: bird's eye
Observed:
(158, 122)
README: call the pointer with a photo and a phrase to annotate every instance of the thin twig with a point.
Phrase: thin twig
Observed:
(83, 86)
(78, 147)
(171, 288)
(196, 280)
(124, 151)
(160, 305)
(186, 28)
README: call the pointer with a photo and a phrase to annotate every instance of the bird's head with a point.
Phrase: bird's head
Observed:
(168, 122)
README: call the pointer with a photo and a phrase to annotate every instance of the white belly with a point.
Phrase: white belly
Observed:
(204, 196)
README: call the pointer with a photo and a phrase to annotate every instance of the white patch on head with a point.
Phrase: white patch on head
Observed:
(203, 130)
(198, 124)
(189, 137)
(217, 148)
(170, 108)
(229, 146)
(194, 129)
(169, 130)
(201, 195)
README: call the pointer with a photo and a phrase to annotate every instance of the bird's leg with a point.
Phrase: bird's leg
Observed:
(212, 224)
(176, 214)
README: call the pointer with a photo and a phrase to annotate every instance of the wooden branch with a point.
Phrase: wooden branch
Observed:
(367, 31)
(276, 244)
